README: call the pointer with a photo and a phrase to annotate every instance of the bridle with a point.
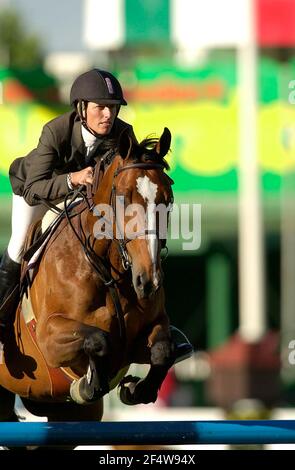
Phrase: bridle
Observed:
(122, 242)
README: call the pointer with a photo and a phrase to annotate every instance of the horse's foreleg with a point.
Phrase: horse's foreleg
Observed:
(67, 342)
(159, 352)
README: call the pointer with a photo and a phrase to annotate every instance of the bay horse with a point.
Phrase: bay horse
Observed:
(96, 303)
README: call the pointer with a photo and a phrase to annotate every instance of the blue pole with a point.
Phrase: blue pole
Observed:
(153, 432)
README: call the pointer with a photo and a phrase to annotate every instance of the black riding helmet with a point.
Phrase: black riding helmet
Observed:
(97, 86)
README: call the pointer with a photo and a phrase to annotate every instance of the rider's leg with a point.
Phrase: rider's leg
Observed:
(22, 216)
(183, 348)
(9, 277)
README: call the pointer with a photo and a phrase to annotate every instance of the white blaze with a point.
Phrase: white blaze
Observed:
(148, 191)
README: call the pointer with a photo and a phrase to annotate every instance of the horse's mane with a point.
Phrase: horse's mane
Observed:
(147, 146)
(143, 151)
(108, 144)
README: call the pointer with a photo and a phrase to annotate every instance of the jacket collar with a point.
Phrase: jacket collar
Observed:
(77, 141)
(78, 145)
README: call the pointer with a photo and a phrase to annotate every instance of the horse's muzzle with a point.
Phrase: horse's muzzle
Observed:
(145, 286)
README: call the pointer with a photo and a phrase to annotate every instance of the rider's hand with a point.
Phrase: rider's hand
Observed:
(82, 177)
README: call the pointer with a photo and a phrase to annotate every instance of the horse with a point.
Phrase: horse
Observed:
(96, 303)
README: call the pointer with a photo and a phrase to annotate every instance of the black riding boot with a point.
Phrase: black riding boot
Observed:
(183, 348)
(9, 280)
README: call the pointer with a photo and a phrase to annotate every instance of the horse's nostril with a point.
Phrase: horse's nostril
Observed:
(139, 281)
(144, 285)
(148, 287)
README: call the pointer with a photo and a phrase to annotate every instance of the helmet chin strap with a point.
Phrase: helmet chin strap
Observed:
(84, 124)
(82, 113)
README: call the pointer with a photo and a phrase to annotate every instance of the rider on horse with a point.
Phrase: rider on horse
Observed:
(67, 150)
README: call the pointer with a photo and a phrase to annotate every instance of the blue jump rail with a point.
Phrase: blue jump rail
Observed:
(153, 432)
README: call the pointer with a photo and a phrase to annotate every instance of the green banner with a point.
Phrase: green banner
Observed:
(147, 22)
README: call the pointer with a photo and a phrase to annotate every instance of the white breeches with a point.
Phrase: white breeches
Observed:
(22, 216)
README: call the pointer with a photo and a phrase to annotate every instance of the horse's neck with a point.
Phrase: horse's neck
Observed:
(103, 196)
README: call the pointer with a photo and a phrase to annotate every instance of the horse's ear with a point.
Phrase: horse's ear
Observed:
(163, 145)
(125, 144)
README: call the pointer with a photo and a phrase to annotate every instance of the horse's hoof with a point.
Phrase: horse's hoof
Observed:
(78, 392)
(126, 389)
(82, 394)
(87, 389)
(133, 391)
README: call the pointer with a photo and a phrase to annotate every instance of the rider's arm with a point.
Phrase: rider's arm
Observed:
(41, 180)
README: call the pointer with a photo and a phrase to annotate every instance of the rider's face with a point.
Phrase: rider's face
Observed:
(100, 117)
